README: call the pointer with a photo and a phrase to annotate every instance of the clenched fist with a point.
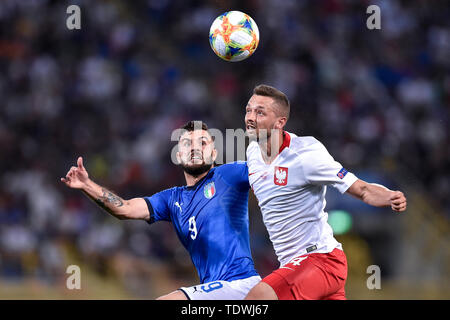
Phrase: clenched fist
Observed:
(398, 201)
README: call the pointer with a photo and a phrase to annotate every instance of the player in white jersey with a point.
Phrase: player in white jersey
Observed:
(289, 175)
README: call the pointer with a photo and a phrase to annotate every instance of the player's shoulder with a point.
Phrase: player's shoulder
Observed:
(164, 196)
(234, 173)
(169, 192)
(305, 144)
(231, 166)
(308, 149)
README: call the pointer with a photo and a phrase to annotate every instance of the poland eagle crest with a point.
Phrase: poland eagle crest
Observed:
(281, 175)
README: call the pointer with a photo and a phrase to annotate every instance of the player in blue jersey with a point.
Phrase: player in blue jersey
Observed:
(209, 214)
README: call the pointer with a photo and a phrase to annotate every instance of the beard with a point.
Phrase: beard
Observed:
(196, 170)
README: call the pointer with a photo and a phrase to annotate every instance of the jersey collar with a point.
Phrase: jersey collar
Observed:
(201, 180)
(286, 141)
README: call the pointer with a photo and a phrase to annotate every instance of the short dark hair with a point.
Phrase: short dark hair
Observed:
(196, 125)
(279, 97)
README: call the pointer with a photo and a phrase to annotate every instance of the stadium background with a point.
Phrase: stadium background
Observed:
(114, 91)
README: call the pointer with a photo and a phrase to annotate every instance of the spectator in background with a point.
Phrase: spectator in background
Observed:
(120, 79)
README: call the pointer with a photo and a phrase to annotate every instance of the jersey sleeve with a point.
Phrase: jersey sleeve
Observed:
(320, 168)
(158, 206)
(236, 174)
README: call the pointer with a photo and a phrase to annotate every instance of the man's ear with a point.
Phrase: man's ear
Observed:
(214, 155)
(280, 123)
(178, 157)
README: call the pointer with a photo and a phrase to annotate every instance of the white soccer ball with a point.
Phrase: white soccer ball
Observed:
(234, 36)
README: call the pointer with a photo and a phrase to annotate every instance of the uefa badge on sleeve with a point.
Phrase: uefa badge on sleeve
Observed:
(281, 175)
(341, 174)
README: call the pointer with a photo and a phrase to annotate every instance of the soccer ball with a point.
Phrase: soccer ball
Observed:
(234, 36)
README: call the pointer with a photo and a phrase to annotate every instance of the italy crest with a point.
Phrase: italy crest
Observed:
(209, 190)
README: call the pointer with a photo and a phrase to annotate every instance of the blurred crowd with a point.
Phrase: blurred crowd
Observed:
(114, 91)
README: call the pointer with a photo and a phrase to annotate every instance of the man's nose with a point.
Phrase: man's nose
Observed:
(196, 146)
(250, 116)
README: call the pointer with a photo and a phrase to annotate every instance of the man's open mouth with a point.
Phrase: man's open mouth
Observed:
(196, 156)
(251, 126)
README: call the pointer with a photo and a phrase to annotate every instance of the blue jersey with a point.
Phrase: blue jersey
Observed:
(211, 220)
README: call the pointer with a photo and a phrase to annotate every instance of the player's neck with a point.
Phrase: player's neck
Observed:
(192, 180)
(270, 147)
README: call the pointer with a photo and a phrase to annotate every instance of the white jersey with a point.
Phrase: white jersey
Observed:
(221, 290)
(291, 194)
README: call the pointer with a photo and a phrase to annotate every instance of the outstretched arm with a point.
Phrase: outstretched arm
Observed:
(378, 195)
(78, 178)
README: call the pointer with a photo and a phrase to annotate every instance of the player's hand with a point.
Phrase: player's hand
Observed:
(77, 177)
(398, 201)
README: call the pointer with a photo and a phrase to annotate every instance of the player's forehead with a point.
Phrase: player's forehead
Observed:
(257, 101)
(195, 135)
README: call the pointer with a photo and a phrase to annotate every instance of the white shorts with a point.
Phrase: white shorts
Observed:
(221, 290)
